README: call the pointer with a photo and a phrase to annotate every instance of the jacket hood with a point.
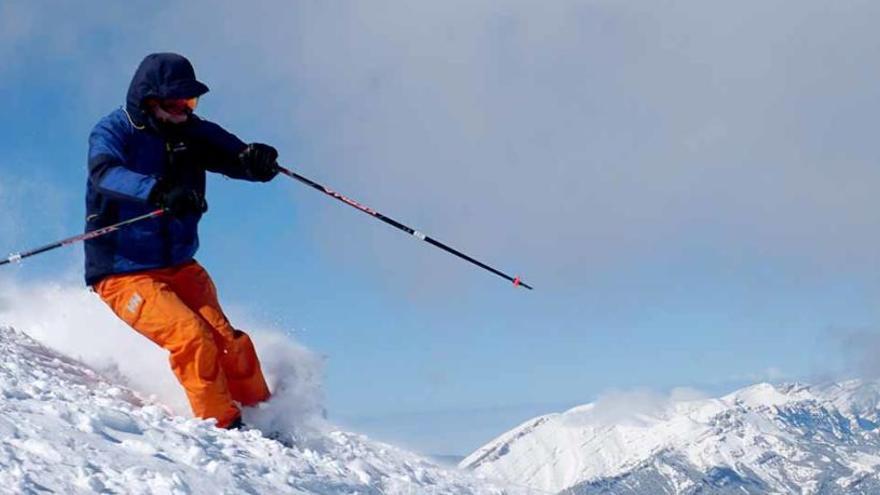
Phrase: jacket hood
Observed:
(161, 75)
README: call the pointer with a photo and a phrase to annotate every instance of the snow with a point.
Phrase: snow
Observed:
(66, 428)
(778, 436)
(71, 427)
(88, 406)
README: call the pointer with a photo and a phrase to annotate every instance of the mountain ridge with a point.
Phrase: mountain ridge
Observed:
(786, 438)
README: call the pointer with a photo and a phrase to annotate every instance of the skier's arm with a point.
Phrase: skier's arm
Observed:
(224, 153)
(107, 170)
(219, 149)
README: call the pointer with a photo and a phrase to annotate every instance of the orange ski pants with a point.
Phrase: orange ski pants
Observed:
(177, 308)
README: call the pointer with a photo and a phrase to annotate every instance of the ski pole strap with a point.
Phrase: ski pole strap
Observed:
(517, 282)
(16, 257)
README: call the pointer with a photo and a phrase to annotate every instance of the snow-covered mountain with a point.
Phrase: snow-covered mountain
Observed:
(65, 428)
(761, 439)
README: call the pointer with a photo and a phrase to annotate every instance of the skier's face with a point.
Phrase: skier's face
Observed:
(174, 111)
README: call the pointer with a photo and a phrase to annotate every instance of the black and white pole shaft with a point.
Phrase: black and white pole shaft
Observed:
(82, 237)
(394, 223)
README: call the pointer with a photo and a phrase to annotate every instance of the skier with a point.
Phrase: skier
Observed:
(153, 153)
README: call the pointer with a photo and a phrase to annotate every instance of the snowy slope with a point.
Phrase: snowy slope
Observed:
(761, 439)
(65, 428)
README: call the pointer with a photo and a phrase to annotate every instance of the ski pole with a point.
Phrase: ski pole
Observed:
(394, 223)
(82, 237)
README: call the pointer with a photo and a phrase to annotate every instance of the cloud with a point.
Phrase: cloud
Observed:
(25, 198)
(859, 349)
(771, 374)
(562, 140)
(630, 406)
(569, 139)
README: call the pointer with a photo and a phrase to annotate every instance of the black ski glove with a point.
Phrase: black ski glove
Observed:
(259, 162)
(178, 200)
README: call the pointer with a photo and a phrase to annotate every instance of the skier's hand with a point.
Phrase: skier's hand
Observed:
(178, 200)
(259, 162)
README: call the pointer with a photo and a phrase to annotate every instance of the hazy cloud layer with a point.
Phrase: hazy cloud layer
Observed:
(567, 137)
(631, 407)
(559, 139)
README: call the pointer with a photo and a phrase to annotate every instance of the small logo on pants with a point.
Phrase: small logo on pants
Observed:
(134, 303)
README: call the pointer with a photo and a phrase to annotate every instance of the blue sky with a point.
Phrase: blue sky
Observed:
(690, 186)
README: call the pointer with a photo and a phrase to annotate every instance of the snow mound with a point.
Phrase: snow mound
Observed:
(65, 428)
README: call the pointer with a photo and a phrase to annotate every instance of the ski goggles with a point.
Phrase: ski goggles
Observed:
(179, 105)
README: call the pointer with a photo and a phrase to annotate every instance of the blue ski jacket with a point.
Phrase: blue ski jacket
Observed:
(129, 152)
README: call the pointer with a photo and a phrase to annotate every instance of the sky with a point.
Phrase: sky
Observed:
(688, 185)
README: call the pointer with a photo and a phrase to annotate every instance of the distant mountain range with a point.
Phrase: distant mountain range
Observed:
(789, 438)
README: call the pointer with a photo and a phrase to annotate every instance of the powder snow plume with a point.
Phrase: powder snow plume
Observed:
(71, 319)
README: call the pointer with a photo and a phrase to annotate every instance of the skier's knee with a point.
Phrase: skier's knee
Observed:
(240, 356)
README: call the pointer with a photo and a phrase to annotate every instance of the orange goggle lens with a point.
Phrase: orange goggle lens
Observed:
(179, 105)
